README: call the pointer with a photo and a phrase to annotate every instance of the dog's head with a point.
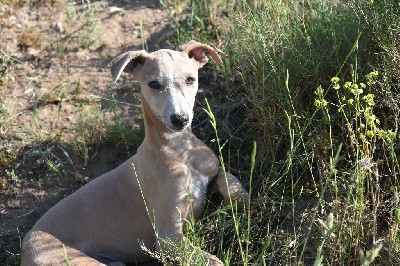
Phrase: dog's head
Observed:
(168, 79)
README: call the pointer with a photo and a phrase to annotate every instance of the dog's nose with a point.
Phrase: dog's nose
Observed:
(179, 121)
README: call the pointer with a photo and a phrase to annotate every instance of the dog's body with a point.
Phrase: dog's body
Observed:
(146, 199)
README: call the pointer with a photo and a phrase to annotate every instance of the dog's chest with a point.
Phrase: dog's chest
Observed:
(198, 184)
(203, 167)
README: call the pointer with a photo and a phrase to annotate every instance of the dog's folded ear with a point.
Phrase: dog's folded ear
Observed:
(199, 52)
(127, 62)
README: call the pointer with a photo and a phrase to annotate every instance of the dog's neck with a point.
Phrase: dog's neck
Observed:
(157, 135)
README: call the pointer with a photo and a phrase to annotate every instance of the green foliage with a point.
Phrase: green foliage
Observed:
(319, 81)
(6, 115)
(82, 24)
(327, 136)
(308, 41)
(121, 130)
(352, 108)
(90, 129)
(7, 62)
(367, 257)
(94, 126)
(327, 229)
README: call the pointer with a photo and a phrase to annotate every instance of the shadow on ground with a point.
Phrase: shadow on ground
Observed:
(46, 82)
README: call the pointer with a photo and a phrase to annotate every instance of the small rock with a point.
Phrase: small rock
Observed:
(82, 55)
(59, 27)
(115, 9)
(33, 51)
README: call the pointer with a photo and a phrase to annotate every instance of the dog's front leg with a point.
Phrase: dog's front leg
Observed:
(171, 241)
(231, 188)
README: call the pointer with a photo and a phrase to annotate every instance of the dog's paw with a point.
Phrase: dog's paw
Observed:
(240, 197)
(232, 190)
(211, 259)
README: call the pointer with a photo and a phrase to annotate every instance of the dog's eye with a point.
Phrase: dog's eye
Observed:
(189, 80)
(155, 85)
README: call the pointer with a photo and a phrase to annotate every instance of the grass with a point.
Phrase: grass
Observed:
(94, 127)
(80, 30)
(317, 84)
(7, 63)
(85, 13)
(50, 126)
(6, 115)
(319, 79)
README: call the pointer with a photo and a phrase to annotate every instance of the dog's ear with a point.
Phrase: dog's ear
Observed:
(199, 52)
(127, 62)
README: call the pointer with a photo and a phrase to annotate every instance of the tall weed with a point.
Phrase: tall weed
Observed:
(327, 167)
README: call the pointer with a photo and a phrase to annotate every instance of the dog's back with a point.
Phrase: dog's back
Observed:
(93, 221)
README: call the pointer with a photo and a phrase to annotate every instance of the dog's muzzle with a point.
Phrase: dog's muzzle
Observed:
(179, 121)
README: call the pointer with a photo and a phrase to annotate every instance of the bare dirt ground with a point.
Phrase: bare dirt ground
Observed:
(63, 124)
(53, 75)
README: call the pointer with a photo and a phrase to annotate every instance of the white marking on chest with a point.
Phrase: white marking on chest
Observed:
(198, 188)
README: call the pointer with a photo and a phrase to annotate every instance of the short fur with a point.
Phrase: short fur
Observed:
(106, 220)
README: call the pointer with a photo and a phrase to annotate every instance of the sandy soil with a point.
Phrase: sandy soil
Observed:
(59, 62)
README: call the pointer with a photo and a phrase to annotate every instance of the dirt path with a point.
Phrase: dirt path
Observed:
(53, 64)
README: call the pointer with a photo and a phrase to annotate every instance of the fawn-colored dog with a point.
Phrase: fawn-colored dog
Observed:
(145, 201)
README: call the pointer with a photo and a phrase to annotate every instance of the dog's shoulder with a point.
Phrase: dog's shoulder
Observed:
(203, 159)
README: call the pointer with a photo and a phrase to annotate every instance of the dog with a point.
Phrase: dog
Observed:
(146, 200)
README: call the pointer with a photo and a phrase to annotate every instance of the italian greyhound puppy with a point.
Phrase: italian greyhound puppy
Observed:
(146, 200)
